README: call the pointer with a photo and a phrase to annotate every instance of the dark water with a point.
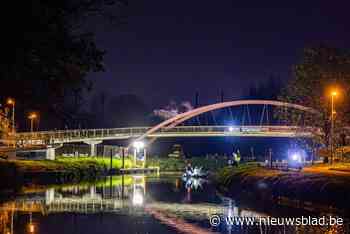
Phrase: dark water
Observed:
(142, 204)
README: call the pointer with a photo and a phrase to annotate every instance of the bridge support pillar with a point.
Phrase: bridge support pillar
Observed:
(93, 149)
(92, 191)
(50, 153)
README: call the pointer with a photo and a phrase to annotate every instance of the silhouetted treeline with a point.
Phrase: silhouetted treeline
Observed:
(46, 56)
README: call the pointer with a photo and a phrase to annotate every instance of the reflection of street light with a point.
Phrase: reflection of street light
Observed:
(32, 116)
(137, 199)
(333, 94)
(31, 227)
(139, 190)
(11, 101)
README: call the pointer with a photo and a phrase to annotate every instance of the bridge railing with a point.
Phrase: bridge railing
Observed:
(237, 128)
(68, 135)
(76, 135)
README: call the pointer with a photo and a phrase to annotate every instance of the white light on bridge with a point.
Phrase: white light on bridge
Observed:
(139, 145)
(230, 129)
(296, 157)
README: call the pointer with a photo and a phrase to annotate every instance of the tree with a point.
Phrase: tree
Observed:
(46, 54)
(321, 70)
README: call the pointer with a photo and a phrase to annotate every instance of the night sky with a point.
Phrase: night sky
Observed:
(170, 49)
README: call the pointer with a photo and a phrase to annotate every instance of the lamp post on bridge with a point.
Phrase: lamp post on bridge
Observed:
(32, 117)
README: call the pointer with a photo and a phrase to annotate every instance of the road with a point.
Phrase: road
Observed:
(335, 169)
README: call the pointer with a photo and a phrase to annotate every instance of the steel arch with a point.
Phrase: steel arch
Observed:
(180, 118)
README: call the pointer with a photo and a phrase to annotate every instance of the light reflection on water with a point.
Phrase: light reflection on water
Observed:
(134, 204)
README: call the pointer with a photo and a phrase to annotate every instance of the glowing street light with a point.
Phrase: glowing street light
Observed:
(32, 117)
(333, 95)
(295, 157)
(139, 145)
(11, 101)
(230, 129)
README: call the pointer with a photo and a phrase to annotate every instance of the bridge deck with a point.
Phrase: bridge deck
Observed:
(68, 136)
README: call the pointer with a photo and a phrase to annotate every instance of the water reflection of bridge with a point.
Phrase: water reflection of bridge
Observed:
(82, 199)
(110, 196)
(125, 196)
(121, 199)
(66, 205)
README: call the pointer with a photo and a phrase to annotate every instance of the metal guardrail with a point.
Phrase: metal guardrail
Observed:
(81, 135)
(77, 135)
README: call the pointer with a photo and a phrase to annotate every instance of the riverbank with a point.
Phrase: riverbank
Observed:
(320, 189)
(179, 164)
(14, 173)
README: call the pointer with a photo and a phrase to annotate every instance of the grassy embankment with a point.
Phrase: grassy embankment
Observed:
(178, 164)
(328, 190)
(15, 172)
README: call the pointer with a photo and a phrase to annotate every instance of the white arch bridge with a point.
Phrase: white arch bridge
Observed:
(170, 128)
(72, 136)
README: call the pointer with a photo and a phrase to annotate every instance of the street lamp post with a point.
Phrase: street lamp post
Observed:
(333, 95)
(11, 101)
(32, 117)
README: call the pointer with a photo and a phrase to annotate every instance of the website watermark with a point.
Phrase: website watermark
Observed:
(215, 220)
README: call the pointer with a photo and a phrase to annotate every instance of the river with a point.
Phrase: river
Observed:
(149, 204)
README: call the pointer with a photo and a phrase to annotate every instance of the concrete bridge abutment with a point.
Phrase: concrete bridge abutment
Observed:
(51, 153)
(49, 196)
(93, 148)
